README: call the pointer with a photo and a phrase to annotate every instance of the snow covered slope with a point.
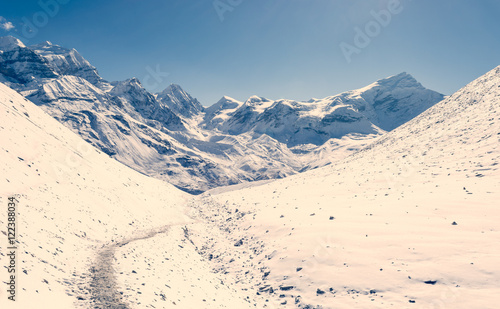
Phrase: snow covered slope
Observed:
(409, 222)
(92, 232)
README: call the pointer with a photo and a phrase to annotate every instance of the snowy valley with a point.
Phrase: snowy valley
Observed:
(405, 217)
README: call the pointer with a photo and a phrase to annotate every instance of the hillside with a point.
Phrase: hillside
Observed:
(409, 222)
(93, 233)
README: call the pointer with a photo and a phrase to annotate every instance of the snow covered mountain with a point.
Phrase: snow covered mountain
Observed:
(381, 106)
(171, 136)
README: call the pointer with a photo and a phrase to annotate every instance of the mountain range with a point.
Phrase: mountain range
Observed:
(171, 136)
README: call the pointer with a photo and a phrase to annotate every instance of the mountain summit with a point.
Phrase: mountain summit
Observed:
(67, 61)
(180, 102)
(8, 43)
(396, 100)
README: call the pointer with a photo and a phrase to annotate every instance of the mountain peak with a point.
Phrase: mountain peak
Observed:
(397, 99)
(179, 101)
(225, 103)
(173, 90)
(131, 86)
(173, 87)
(403, 79)
(256, 99)
(402, 75)
(46, 43)
(133, 80)
(226, 98)
(9, 42)
(48, 48)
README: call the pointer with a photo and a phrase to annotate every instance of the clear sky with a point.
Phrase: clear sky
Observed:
(272, 48)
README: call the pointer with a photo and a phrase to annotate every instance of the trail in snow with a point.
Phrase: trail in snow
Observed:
(103, 288)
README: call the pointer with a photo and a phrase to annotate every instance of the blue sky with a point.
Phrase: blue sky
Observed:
(271, 48)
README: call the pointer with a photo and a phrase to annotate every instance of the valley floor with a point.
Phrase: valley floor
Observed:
(360, 244)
